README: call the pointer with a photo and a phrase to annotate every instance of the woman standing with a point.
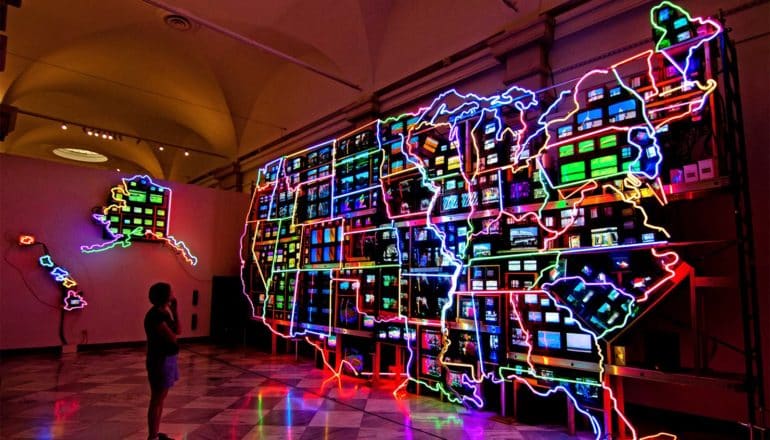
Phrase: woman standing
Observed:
(161, 324)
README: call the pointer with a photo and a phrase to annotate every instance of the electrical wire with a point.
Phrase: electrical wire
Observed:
(24, 280)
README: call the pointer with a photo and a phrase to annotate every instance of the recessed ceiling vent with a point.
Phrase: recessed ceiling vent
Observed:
(177, 22)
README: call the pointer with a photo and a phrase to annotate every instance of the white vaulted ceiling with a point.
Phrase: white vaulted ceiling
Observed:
(117, 65)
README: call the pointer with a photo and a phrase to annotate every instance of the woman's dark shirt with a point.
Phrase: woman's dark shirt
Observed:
(157, 345)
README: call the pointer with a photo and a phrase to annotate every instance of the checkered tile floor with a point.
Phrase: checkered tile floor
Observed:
(223, 394)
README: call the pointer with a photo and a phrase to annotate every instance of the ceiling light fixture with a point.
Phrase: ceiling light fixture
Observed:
(118, 136)
(80, 155)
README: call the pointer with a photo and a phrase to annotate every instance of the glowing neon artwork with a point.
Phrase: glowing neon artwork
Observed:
(138, 210)
(491, 239)
(26, 240)
(72, 296)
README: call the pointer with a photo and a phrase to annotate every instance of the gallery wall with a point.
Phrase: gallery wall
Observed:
(53, 202)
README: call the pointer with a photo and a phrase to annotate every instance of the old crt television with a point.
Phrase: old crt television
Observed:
(564, 131)
(455, 380)
(482, 249)
(604, 236)
(394, 332)
(492, 310)
(588, 119)
(621, 111)
(580, 342)
(493, 347)
(552, 317)
(466, 344)
(450, 202)
(469, 308)
(520, 190)
(490, 195)
(518, 337)
(524, 237)
(369, 321)
(596, 94)
(431, 340)
(549, 340)
(430, 367)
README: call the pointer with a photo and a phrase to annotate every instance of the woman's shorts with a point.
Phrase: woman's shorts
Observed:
(163, 372)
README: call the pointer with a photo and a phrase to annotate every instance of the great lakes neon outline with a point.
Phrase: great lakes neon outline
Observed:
(565, 278)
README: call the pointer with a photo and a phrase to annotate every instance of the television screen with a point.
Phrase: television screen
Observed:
(430, 367)
(368, 322)
(449, 202)
(589, 119)
(454, 379)
(595, 94)
(491, 310)
(494, 347)
(520, 190)
(530, 298)
(524, 237)
(579, 342)
(552, 317)
(604, 236)
(469, 308)
(535, 316)
(548, 339)
(518, 337)
(564, 131)
(430, 340)
(482, 250)
(394, 332)
(389, 304)
(622, 110)
(331, 341)
(466, 344)
(490, 195)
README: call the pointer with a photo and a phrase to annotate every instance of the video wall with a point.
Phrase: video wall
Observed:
(498, 238)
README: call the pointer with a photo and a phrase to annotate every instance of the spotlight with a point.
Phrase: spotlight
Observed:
(160, 148)
(186, 153)
(90, 133)
(104, 135)
(117, 169)
(110, 137)
(64, 126)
